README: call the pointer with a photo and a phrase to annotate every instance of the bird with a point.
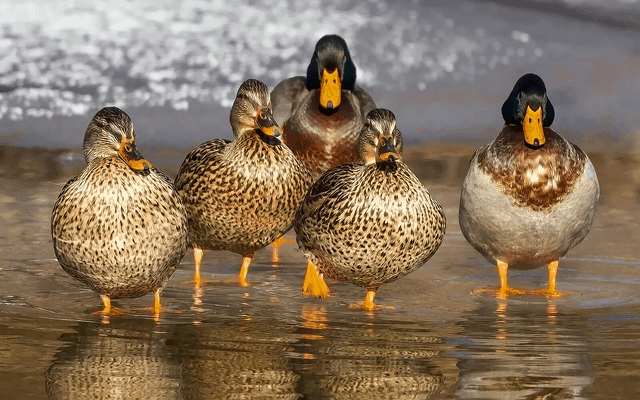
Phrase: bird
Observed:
(370, 222)
(322, 113)
(240, 195)
(529, 196)
(119, 226)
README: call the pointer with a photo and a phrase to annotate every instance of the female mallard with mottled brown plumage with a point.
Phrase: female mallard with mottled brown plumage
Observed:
(321, 114)
(372, 222)
(120, 226)
(529, 196)
(241, 195)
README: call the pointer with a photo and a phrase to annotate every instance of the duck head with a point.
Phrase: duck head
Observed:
(380, 139)
(111, 133)
(529, 107)
(252, 111)
(331, 70)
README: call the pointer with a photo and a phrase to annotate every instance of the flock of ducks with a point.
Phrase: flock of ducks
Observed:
(317, 155)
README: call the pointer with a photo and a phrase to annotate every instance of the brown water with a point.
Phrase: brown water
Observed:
(268, 341)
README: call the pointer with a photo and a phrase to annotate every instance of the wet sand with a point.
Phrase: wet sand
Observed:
(268, 341)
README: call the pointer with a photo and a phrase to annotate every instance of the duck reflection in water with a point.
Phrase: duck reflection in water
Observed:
(123, 360)
(366, 359)
(522, 350)
(238, 357)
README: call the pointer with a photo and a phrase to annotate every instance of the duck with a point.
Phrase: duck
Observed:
(322, 113)
(529, 196)
(371, 222)
(241, 195)
(119, 226)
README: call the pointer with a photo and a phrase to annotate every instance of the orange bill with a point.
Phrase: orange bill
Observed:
(532, 126)
(130, 154)
(330, 89)
(267, 123)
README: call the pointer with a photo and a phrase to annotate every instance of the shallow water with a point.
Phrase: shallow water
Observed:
(268, 341)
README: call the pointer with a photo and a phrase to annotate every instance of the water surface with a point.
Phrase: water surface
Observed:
(268, 341)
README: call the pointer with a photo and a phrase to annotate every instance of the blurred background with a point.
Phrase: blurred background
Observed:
(443, 67)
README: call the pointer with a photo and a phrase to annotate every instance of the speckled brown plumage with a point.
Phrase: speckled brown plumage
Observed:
(534, 179)
(120, 231)
(323, 138)
(241, 195)
(372, 222)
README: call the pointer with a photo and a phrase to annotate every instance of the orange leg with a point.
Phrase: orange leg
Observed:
(246, 262)
(368, 300)
(156, 305)
(106, 301)
(505, 290)
(198, 253)
(275, 255)
(551, 290)
(314, 284)
(368, 304)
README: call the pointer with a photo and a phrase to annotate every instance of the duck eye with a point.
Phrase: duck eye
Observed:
(262, 116)
(127, 148)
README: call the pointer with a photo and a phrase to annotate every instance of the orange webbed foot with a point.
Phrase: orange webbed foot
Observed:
(314, 284)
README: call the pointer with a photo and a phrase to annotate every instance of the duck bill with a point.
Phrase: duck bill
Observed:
(130, 154)
(268, 125)
(387, 152)
(330, 89)
(532, 126)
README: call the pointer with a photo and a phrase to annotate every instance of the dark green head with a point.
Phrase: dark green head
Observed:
(331, 70)
(529, 107)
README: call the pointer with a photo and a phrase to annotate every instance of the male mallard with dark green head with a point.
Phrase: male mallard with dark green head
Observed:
(120, 226)
(531, 195)
(322, 113)
(240, 195)
(371, 222)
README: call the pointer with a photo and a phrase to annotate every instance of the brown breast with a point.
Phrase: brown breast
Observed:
(535, 178)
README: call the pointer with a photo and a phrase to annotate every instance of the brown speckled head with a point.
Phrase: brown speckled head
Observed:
(252, 111)
(110, 133)
(380, 139)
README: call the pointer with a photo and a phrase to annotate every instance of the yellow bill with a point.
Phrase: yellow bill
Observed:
(532, 126)
(330, 89)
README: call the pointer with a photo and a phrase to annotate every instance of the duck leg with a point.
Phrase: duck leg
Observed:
(275, 255)
(156, 303)
(198, 253)
(314, 284)
(244, 269)
(107, 309)
(505, 290)
(368, 304)
(551, 290)
(368, 300)
(106, 301)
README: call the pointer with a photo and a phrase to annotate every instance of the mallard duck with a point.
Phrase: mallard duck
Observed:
(322, 113)
(372, 222)
(120, 226)
(530, 195)
(241, 195)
